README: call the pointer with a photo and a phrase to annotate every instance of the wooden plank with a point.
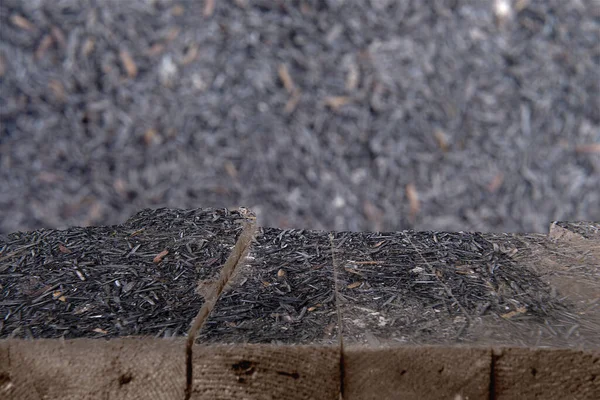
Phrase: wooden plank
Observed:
(94, 369)
(6, 384)
(537, 373)
(411, 372)
(254, 371)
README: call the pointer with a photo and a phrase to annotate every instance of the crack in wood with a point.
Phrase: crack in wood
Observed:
(232, 264)
(335, 267)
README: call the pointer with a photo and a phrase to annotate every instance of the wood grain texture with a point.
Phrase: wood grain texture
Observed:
(94, 369)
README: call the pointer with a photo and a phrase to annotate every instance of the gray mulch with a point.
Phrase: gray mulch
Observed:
(150, 275)
(346, 115)
(139, 278)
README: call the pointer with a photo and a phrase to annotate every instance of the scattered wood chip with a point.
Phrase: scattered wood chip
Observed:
(155, 50)
(464, 270)
(231, 169)
(593, 148)
(266, 284)
(177, 10)
(151, 137)
(288, 84)
(135, 233)
(128, 63)
(94, 213)
(495, 183)
(21, 22)
(335, 102)
(441, 139)
(354, 285)
(309, 309)
(172, 34)
(80, 275)
(120, 187)
(205, 288)
(374, 214)
(45, 44)
(292, 103)
(520, 5)
(88, 46)
(2, 66)
(190, 55)
(159, 257)
(352, 77)
(413, 200)
(352, 271)
(58, 90)
(49, 177)
(366, 262)
(209, 8)
(63, 249)
(281, 274)
(58, 295)
(518, 311)
(99, 330)
(286, 79)
(58, 36)
(80, 310)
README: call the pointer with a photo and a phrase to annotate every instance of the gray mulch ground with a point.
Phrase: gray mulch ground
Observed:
(346, 115)
(150, 277)
(139, 278)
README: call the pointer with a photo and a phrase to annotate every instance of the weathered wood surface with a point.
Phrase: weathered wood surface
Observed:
(305, 314)
(92, 369)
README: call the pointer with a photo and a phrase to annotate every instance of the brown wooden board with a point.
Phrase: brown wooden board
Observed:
(416, 372)
(542, 373)
(254, 371)
(85, 369)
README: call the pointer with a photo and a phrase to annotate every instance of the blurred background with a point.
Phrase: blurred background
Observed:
(339, 114)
